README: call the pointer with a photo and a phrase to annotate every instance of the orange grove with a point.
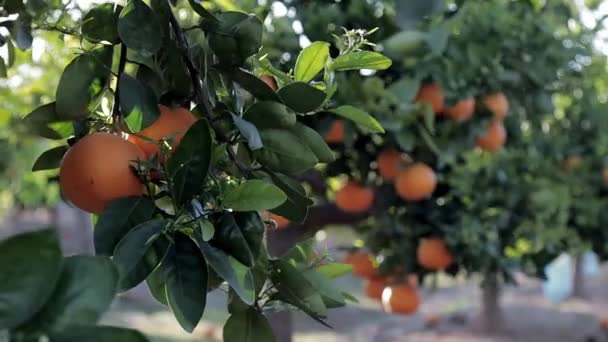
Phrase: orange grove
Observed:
(462, 111)
(335, 135)
(433, 95)
(172, 123)
(363, 264)
(432, 254)
(498, 104)
(97, 170)
(354, 198)
(401, 299)
(389, 163)
(416, 182)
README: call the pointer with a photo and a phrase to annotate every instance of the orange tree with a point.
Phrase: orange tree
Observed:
(176, 145)
(440, 203)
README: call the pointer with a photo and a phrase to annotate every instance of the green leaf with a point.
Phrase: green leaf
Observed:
(284, 153)
(82, 82)
(238, 276)
(268, 114)
(295, 289)
(315, 142)
(311, 61)
(254, 195)
(100, 24)
(237, 37)
(359, 117)
(119, 217)
(301, 97)
(86, 288)
(50, 159)
(45, 122)
(79, 333)
(200, 10)
(3, 68)
(405, 43)
(156, 285)
(361, 60)
(139, 28)
(295, 208)
(248, 326)
(240, 235)
(249, 132)
(22, 32)
(151, 79)
(30, 268)
(405, 89)
(253, 84)
(11, 53)
(335, 270)
(137, 103)
(332, 297)
(185, 275)
(207, 229)
(174, 70)
(138, 253)
(189, 163)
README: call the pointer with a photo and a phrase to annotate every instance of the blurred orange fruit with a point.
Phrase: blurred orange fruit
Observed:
(389, 163)
(494, 138)
(433, 95)
(416, 182)
(498, 104)
(363, 264)
(462, 111)
(374, 287)
(432, 254)
(335, 135)
(401, 299)
(354, 198)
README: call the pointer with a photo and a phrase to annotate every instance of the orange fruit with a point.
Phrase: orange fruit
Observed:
(462, 111)
(172, 123)
(269, 80)
(573, 162)
(495, 137)
(432, 254)
(354, 198)
(416, 182)
(363, 264)
(97, 170)
(498, 104)
(389, 163)
(280, 220)
(401, 299)
(335, 135)
(431, 94)
(374, 287)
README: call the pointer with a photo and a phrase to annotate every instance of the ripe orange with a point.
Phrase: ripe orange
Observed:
(462, 111)
(498, 104)
(416, 182)
(363, 265)
(96, 170)
(431, 94)
(573, 162)
(401, 299)
(269, 80)
(172, 123)
(389, 163)
(433, 255)
(374, 287)
(495, 137)
(335, 135)
(280, 220)
(354, 198)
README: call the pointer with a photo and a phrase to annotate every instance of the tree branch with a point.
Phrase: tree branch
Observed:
(121, 68)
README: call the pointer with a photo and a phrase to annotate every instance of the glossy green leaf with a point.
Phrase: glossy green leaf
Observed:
(240, 234)
(185, 273)
(311, 61)
(254, 195)
(361, 60)
(249, 131)
(99, 24)
(268, 114)
(119, 217)
(295, 289)
(45, 122)
(85, 289)
(50, 159)
(302, 97)
(189, 163)
(138, 103)
(253, 84)
(248, 326)
(30, 268)
(295, 208)
(139, 28)
(335, 270)
(151, 79)
(156, 285)
(405, 89)
(315, 142)
(79, 333)
(284, 153)
(207, 229)
(332, 297)
(237, 37)
(82, 82)
(359, 117)
(197, 6)
(3, 71)
(138, 253)
(238, 276)
(22, 32)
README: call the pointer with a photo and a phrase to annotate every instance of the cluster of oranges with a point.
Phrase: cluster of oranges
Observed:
(399, 296)
(98, 168)
(497, 103)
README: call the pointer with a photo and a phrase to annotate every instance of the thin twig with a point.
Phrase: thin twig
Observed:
(121, 68)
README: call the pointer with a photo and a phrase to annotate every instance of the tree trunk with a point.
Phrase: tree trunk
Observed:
(282, 325)
(491, 320)
(578, 279)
